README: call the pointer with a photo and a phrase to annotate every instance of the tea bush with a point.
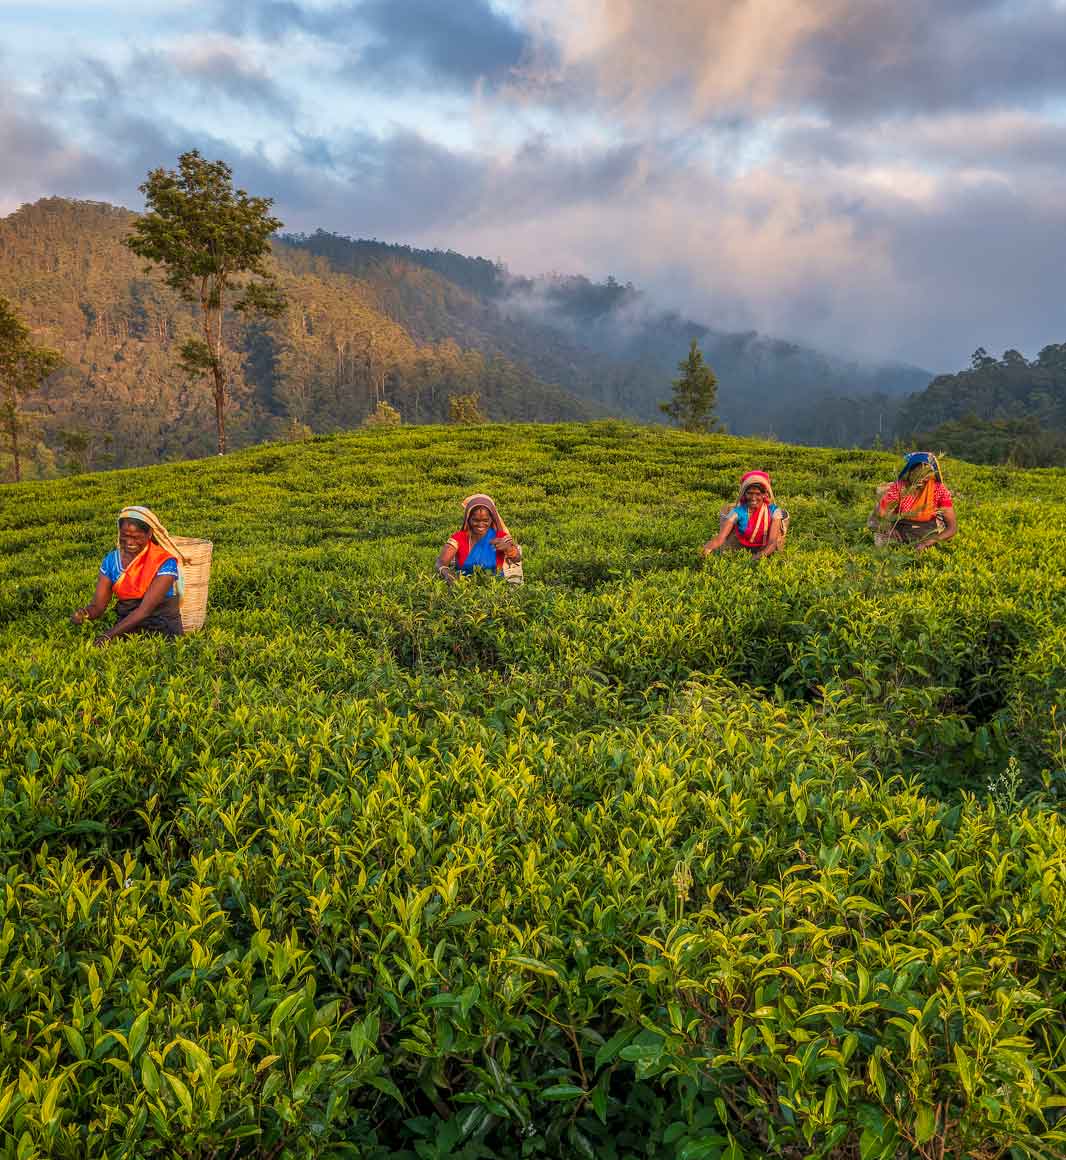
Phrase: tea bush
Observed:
(649, 858)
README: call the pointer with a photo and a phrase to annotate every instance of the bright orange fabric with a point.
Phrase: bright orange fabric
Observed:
(141, 571)
(923, 508)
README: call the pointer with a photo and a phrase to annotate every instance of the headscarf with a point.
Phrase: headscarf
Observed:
(142, 569)
(478, 499)
(758, 528)
(920, 459)
(918, 479)
(756, 476)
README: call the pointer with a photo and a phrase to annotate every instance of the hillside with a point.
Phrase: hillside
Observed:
(1010, 408)
(647, 858)
(122, 400)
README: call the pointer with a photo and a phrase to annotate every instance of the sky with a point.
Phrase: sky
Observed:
(882, 178)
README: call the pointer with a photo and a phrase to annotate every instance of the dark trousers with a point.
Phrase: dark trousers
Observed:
(165, 617)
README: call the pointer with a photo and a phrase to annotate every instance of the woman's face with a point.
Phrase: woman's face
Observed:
(755, 496)
(131, 538)
(480, 521)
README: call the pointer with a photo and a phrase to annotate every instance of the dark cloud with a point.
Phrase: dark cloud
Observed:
(979, 266)
(82, 142)
(411, 42)
(41, 159)
(460, 43)
(908, 56)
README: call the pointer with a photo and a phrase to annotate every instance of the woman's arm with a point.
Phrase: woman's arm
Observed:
(887, 494)
(98, 605)
(157, 591)
(950, 528)
(445, 560)
(720, 539)
(773, 541)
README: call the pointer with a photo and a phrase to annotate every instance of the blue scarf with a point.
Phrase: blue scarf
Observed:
(919, 459)
(482, 554)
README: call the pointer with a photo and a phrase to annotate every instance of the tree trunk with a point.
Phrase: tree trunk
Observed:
(220, 404)
(15, 454)
(213, 338)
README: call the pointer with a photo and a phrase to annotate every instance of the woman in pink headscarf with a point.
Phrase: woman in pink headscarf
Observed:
(755, 522)
(483, 543)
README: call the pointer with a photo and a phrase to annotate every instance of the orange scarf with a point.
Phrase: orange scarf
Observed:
(140, 572)
(921, 511)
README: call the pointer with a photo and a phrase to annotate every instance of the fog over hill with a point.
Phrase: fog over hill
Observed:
(610, 343)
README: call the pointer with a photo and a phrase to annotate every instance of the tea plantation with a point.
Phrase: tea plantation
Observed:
(652, 857)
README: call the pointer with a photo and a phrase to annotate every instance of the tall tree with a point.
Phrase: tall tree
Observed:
(23, 366)
(211, 240)
(695, 394)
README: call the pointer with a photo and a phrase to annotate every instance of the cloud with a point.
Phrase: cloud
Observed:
(849, 58)
(272, 19)
(42, 158)
(216, 67)
(1005, 142)
(887, 260)
(456, 43)
(855, 265)
(410, 42)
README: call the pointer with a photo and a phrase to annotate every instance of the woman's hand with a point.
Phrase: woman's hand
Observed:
(105, 638)
(97, 606)
(444, 563)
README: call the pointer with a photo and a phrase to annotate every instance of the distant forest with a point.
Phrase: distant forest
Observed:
(1006, 410)
(369, 321)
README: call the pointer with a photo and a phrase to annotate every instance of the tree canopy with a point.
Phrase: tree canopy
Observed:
(211, 239)
(1009, 409)
(695, 394)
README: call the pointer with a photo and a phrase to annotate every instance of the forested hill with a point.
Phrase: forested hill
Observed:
(369, 321)
(997, 410)
(341, 346)
(607, 343)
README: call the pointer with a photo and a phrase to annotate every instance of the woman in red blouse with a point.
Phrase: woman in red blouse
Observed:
(917, 509)
(482, 544)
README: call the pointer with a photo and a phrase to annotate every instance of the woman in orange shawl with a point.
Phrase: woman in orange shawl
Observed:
(142, 573)
(917, 508)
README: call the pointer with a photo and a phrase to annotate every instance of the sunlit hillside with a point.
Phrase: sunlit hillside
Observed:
(650, 857)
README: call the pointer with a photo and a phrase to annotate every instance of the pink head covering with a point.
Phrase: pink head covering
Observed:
(757, 476)
(479, 499)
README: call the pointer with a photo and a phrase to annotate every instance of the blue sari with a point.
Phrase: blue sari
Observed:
(481, 555)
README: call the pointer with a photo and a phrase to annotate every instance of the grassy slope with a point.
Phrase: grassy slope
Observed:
(453, 820)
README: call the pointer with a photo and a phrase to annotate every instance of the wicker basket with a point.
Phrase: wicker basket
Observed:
(196, 569)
